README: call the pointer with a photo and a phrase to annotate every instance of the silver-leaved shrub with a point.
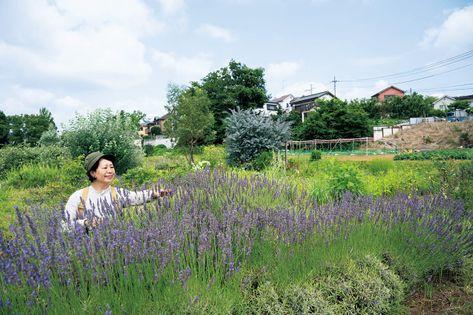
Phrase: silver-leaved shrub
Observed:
(249, 134)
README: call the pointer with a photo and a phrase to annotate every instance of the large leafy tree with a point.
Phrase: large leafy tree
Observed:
(335, 119)
(27, 129)
(190, 120)
(414, 105)
(4, 128)
(235, 86)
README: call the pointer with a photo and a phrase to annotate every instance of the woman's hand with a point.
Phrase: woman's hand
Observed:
(93, 223)
(159, 193)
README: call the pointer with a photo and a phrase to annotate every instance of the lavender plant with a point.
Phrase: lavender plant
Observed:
(206, 232)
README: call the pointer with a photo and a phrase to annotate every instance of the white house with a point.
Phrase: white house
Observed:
(443, 102)
(271, 107)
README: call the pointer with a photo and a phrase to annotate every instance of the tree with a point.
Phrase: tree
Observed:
(4, 129)
(335, 119)
(371, 106)
(16, 126)
(249, 135)
(462, 104)
(190, 120)
(135, 117)
(415, 105)
(105, 131)
(27, 129)
(235, 86)
(155, 130)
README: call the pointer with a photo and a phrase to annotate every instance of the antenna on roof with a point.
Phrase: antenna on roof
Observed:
(334, 81)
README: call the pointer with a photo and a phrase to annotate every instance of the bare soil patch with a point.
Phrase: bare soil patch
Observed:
(428, 136)
(446, 298)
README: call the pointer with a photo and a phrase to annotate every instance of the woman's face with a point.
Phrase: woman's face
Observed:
(105, 172)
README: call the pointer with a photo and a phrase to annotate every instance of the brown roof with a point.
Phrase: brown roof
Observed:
(389, 87)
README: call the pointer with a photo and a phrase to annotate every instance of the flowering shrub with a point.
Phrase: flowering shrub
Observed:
(208, 231)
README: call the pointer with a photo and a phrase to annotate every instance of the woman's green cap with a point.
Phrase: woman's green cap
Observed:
(93, 157)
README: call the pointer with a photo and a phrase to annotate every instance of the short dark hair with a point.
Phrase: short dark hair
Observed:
(96, 166)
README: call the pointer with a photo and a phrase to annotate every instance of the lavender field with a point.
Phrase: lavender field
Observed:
(232, 242)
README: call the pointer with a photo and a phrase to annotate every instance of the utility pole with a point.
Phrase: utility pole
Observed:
(310, 89)
(334, 81)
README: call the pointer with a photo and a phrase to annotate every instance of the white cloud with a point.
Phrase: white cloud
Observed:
(65, 39)
(24, 100)
(302, 88)
(282, 70)
(350, 93)
(376, 61)
(172, 6)
(456, 32)
(216, 32)
(277, 74)
(185, 68)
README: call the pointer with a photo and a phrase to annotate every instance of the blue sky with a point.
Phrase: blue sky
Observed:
(78, 55)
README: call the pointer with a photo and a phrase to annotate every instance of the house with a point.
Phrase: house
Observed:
(145, 128)
(284, 102)
(388, 92)
(279, 103)
(304, 104)
(443, 102)
(269, 108)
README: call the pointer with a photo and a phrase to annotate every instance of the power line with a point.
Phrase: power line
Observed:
(436, 65)
(434, 75)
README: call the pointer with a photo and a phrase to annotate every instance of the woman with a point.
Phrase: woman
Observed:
(99, 198)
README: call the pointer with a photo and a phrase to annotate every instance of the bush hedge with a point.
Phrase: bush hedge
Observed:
(448, 154)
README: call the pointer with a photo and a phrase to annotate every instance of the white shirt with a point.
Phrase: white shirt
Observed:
(99, 202)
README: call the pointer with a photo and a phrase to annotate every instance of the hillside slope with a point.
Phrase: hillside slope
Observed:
(438, 135)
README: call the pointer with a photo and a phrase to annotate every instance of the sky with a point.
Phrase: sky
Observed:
(75, 56)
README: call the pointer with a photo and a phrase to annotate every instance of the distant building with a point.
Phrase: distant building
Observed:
(272, 106)
(305, 104)
(443, 102)
(145, 129)
(388, 92)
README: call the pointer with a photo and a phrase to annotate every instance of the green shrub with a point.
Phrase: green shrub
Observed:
(214, 154)
(148, 149)
(30, 175)
(12, 157)
(315, 155)
(249, 134)
(379, 167)
(108, 132)
(345, 178)
(139, 176)
(448, 154)
(305, 299)
(160, 149)
(73, 173)
(261, 161)
(365, 286)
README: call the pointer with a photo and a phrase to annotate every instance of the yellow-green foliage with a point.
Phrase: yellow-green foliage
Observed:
(214, 154)
(363, 286)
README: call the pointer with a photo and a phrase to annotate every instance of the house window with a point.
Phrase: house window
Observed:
(271, 107)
